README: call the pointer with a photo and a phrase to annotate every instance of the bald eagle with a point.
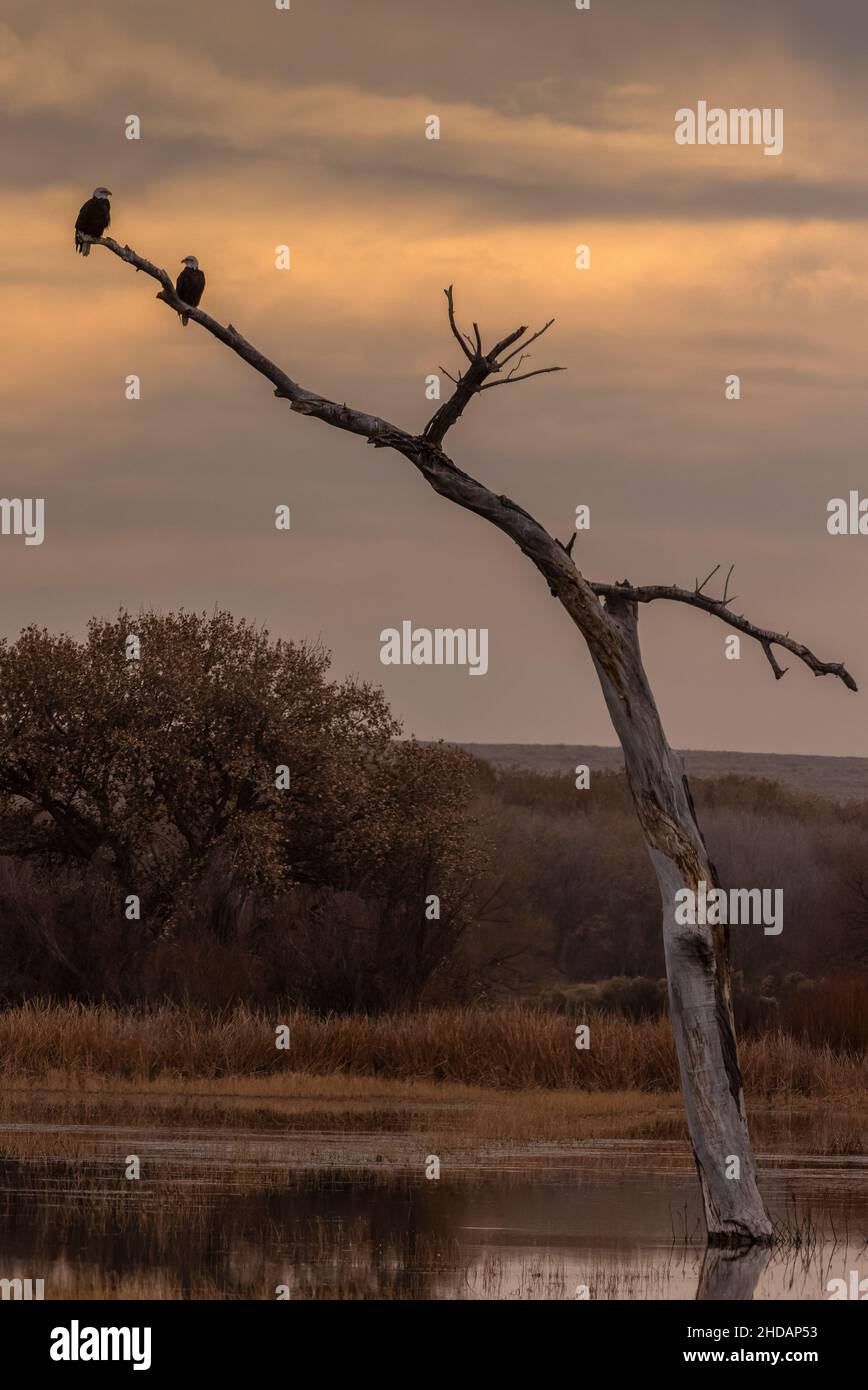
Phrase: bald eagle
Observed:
(93, 218)
(190, 285)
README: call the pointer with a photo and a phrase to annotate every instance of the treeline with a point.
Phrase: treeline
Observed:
(192, 811)
(583, 898)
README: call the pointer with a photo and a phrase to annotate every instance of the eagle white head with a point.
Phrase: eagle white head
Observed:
(191, 262)
(102, 192)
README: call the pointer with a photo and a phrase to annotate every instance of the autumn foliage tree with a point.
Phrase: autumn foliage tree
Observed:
(168, 754)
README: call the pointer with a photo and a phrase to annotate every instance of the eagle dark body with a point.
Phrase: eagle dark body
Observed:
(93, 220)
(190, 286)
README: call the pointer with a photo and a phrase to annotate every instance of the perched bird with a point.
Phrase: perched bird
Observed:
(190, 285)
(93, 218)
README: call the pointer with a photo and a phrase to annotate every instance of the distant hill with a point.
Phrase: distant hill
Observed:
(842, 779)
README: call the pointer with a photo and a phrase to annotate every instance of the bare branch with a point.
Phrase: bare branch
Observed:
(778, 670)
(424, 452)
(525, 376)
(531, 339)
(128, 255)
(718, 609)
(305, 402)
(482, 366)
(504, 343)
(699, 587)
(459, 337)
(726, 594)
(452, 409)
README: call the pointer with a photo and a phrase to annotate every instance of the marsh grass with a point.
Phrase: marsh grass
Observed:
(513, 1048)
(316, 1179)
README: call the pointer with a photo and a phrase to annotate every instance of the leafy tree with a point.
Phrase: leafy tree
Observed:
(163, 770)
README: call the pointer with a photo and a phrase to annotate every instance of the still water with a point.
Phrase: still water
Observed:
(248, 1202)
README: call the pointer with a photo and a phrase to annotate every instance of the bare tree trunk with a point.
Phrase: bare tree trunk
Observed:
(697, 957)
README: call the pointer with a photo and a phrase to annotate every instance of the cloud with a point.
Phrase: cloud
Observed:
(311, 132)
(615, 156)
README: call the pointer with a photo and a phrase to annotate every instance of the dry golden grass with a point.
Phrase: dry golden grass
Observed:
(466, 1116)
(506, 1049)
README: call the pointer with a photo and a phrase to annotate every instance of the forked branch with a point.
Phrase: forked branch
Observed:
(718, 608)
(552, 559)
(482, 366)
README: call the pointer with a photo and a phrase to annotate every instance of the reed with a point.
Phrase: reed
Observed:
(512, 1048)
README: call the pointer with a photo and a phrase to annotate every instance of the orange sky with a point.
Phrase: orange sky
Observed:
(261, 127)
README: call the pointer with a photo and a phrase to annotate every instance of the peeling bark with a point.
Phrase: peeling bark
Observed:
(697, 957)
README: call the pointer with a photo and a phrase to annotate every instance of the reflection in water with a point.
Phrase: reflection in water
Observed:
(233, 1209)
(732, 1274)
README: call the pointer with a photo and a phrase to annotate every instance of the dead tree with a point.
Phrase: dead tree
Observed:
(697, 956)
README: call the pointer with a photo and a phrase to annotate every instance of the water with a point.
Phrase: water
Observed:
(237, 1201)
